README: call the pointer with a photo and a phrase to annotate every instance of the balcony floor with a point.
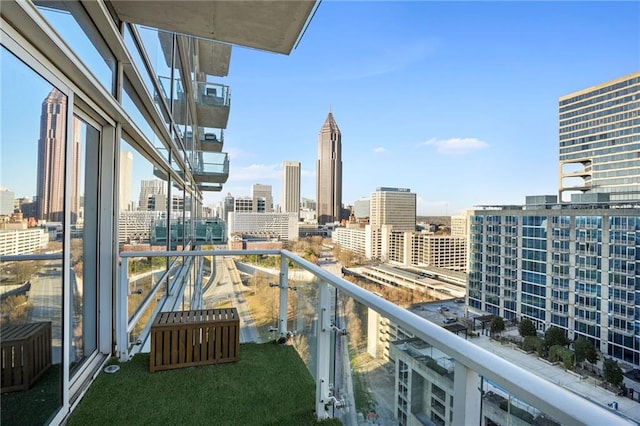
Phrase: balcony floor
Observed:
(269, 385)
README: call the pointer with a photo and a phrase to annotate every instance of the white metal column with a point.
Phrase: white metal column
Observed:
(122, 314)
(466, 396)
(323, 349)
(284, 293)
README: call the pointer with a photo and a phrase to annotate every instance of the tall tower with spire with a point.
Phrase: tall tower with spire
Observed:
(51, 160)
(329, 172)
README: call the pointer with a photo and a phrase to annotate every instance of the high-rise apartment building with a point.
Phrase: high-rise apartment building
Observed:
(291, 187)
(571, 266)
(50, 185)
(395, 207)
(149, 188)
(599, 140)
(262, 198)
(329, 173)
(126, 169)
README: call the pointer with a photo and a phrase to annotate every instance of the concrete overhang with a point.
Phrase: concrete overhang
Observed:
(272, 25)
(213, 57)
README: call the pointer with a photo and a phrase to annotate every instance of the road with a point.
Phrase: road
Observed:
(227, 286)
(45, 296)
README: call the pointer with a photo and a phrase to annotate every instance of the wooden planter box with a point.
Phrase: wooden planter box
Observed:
(190, 338)
(26, 354)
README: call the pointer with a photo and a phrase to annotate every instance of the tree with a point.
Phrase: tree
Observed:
(24, 270)
(497, 325)
(555, 336)
(584, 350)
(612, 372)
(526, 328)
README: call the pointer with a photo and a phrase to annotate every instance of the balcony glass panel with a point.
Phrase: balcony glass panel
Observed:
(211, 167)
(74, 25)
(210, 139)
(32, 289)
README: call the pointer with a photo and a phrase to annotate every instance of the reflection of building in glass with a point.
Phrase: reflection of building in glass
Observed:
(124, 190)
(22, 241)
(136, 226)
(283, 226)
(51, 160)
(148, 188)
(291, 187)
(7, 199)
(329, 173)
(262, 198)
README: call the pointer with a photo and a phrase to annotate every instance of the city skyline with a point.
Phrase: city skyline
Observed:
(458, 101)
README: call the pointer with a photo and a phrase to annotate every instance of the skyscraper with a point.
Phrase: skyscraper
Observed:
(599, 140)
(51, 160)
(329, 172)
(262, 198)
(291, 187)
(149, 188)
(126, 168)
(395, 207)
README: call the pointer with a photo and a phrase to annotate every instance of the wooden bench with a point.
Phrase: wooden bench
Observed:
(189, 338)
(25, 354)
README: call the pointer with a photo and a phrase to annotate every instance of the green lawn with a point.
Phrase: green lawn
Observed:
(270, 385)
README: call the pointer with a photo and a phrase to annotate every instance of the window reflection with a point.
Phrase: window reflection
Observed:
(83, 280)
(72, 22)
(32, 142)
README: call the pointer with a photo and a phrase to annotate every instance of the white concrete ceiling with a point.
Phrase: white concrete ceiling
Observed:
(272, 25)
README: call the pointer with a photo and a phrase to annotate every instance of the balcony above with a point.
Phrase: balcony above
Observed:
(216, 187)
(213, 58)
(212, 103)
(210, 140)
(275, 26)
(211, 168)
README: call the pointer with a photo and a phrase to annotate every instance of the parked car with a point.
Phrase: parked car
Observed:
(449, 320)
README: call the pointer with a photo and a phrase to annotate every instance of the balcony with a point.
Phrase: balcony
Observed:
(212, 102)
(211, 167)
(281, 392)
(297, 302)
(210, 140)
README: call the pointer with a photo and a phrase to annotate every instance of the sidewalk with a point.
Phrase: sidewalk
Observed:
(556, 374)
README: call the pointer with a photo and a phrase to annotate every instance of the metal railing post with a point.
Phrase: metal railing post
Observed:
(466, 403)
(122, 311)
(323, 350)
(284, 293)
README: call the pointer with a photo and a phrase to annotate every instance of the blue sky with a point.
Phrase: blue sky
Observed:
(457, 101)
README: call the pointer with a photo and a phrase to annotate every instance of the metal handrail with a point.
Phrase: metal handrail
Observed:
(557, 402)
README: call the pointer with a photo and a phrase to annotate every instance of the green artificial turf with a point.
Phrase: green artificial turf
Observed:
(270, 385)
(36, 405)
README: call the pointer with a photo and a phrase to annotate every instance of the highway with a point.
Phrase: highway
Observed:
(45, 296)
(227, 286)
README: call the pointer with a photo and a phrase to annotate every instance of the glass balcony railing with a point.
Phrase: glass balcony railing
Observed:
(198, 231)
(211, 167)
(210, 139)
(337, 328)
(212, 104)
